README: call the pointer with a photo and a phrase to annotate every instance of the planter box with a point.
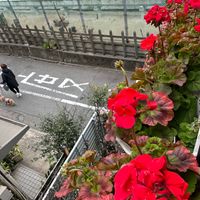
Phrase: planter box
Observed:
(91, 138)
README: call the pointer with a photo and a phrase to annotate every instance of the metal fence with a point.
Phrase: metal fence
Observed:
(91, 138)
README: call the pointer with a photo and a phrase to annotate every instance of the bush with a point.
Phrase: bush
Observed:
(61, 131)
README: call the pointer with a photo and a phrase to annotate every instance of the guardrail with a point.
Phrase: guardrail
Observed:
(91, 138)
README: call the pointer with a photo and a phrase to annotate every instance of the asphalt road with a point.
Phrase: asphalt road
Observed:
(47, 87)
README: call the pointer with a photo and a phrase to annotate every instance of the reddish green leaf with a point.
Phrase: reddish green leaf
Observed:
(64, 190)
(162, 114)
(182, 159)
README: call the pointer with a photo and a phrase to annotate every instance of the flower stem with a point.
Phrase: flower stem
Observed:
(136, 143)
(125, 75)
(162, 45)
(195, 13)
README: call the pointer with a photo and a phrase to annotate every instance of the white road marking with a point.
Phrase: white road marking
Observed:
(24, 81)
(58, 99)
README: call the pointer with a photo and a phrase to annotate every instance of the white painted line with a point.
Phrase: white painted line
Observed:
(24, 81)
(58, 99)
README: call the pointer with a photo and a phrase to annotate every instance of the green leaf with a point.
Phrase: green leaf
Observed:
(191, 179)
(138, 125)
(196, 196)
(163, 132)
(193, 81)
(160, 87)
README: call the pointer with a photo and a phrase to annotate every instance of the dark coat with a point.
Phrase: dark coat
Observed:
(9, 78)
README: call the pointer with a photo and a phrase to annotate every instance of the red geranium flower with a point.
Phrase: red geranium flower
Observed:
(147, 178)
(170, 1)
(174, 1)
(197, 27)
(148, 43)
(152, 105)
(157, 15)
(162, 113)
(195, 4)
(186, 8)
(124, 106)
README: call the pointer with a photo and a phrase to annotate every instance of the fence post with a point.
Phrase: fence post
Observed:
(64, 39)
(112, 43)
(18, 34)
(73, 41)
(123, 43)
(1, 35)
(31, 35)
(82, 43)
(55, 38)
(45, 33)
(91, 41)
(102, 43)
(6, 34)
(135, 44)
(23, 33)
(39, 36)
(11, 34)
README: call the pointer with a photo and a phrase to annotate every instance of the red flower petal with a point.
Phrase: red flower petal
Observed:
(125, 179)
(148, 43)
(176, 185)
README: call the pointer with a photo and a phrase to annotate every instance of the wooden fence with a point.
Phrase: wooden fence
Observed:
(96, 44)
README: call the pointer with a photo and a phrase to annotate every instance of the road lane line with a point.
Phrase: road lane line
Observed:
(58, 99)
(24, 81)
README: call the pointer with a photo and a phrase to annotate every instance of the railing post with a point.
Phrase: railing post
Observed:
(73, 41)
(11, 34)
(135, 44)
(123, 43)
(6, 35)
(18, 34)
(55, 38)
(102, 43)
(112, 43)
(82, 43)
(39, 36)
(31, 35)
(91, 41)
(64, 39)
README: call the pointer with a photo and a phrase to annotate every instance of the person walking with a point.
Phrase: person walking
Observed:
(8, 78)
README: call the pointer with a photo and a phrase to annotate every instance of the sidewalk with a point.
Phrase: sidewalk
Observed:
(26, 144)
(30, 173)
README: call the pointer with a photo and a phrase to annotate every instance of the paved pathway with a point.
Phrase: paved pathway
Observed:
(46, 87)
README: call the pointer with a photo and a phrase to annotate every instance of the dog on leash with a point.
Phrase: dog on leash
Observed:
(8, 101)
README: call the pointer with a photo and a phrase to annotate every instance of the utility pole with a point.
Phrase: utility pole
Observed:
(16, 18)
(125, 19)
(81, 16)
(45, 15)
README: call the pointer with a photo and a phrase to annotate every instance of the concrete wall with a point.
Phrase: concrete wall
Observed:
(67, 56)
